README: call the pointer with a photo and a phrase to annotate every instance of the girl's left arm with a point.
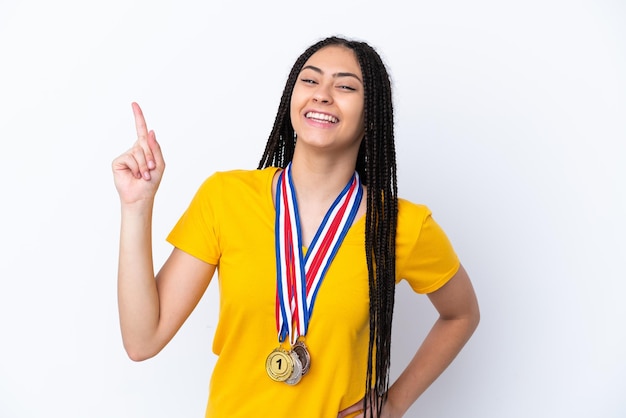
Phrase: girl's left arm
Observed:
(458, 318)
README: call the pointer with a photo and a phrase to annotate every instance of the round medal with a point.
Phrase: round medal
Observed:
(279, 365)
(296, 375)
(303, 354)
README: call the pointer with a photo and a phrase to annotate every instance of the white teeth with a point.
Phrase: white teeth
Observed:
(321, 116)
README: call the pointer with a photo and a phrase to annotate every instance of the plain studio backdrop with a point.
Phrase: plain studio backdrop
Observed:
(510, 126)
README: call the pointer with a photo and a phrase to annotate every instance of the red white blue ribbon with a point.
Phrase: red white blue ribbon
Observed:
(300, 276)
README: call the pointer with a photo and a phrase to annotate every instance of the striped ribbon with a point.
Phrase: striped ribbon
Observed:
(300, 276)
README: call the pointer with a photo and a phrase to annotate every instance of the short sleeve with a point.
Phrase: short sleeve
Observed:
(425, 256)
(196, 232)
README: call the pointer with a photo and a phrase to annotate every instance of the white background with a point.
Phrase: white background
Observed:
(511, 126)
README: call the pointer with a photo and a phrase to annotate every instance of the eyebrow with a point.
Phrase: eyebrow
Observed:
(340, 74)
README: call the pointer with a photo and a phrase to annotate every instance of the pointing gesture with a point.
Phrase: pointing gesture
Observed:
(137, 173)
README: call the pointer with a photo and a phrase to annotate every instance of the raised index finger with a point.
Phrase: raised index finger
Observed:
(140, 122)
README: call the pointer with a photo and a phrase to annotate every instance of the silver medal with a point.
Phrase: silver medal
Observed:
(296, 375)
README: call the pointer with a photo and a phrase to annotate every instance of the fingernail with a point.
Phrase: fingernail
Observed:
(146, 175)
(151, 165)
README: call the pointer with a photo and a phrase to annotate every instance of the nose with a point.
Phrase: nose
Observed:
(322, 95)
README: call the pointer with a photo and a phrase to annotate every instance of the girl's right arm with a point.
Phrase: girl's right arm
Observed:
(151, 310)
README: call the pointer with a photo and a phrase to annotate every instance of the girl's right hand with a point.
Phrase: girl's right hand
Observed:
(137, 173)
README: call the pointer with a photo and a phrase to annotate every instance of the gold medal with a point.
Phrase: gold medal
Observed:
(296, 374)
(279, 365)
(303, 354)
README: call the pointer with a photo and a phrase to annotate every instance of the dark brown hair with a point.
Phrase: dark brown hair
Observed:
(376, 165)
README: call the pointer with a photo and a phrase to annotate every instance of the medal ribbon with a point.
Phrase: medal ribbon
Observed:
(299, 277)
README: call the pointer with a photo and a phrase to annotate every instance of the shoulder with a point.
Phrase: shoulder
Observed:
(416, 223)
(238, 179)
(410, 213)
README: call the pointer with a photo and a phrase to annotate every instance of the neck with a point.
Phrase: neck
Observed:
(320, 178)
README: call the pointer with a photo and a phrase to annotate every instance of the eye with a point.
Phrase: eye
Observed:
(308, 81)
(349, 88)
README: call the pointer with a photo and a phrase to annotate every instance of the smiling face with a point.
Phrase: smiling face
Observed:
(328, 100)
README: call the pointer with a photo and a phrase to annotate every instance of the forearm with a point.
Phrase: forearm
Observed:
(445, 340)
(138, 299)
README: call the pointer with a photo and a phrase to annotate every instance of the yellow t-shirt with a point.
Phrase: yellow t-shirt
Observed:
(230, 223)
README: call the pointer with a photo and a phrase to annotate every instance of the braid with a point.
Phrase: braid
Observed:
(376, 165)
(381, 218)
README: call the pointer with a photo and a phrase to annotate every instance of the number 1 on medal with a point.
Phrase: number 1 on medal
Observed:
(274, 365)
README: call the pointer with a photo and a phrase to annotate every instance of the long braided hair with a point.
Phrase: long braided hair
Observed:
(376, 165)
